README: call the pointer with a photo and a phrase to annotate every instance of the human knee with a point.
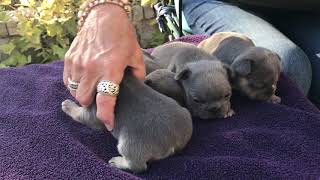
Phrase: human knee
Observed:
(296, 65)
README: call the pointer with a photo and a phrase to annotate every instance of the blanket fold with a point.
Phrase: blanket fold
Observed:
(262, 140)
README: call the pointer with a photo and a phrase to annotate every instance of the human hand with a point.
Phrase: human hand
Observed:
(102, 50)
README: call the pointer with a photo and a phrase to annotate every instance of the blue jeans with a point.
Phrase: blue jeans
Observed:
(211, 16)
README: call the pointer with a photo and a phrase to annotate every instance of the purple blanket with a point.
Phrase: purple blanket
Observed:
(263, 140)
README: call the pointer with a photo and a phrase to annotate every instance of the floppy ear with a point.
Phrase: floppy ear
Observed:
(278, 57)
(230, 72)
(148, 82)
(241, 66)
(183, 74)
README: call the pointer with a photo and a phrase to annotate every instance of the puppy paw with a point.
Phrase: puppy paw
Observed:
(229, 113)
(121, 163)
(118, 162)
(71, 109)
(67, 106)
(274, 99)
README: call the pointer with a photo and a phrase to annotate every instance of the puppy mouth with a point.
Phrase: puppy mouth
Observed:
(210, 114)
(261, 96)
(201, 111)
(257, 94)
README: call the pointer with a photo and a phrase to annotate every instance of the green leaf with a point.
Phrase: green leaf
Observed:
(3, 65)
(54, 30)
(15, 59)
(45, 29)
(60, 52)
(7, 48)
(23, 60)
(22, 44)
(29, 60)
(64, 42)
(4, 16)
(71, 27)
(10, 61)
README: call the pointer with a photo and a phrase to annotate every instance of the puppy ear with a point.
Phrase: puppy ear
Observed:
(148, 81)
(183, 74)
(278, 57)
(241, 66)
(279, 62)
(229, 71)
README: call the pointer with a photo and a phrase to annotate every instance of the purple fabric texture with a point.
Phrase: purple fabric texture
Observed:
(262, 140)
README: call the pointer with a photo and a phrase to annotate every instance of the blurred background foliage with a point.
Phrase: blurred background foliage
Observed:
(46, 29)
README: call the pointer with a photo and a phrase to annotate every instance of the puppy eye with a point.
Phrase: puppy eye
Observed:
(227, 96)
(196, 100)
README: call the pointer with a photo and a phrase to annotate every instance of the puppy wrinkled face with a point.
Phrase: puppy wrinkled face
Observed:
(207, 89)
(257, 73)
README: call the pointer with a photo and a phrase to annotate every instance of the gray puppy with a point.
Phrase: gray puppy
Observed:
(175, 55)
(150, 62)
(162, 80)
(148, 125)
(256, 69)
(206, 88)
(204, 80)
(202, 99)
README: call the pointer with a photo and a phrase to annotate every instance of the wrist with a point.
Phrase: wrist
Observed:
(103, 8)
(110, 10)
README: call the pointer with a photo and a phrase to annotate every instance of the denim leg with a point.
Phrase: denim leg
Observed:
(304, 30)
(211, 16)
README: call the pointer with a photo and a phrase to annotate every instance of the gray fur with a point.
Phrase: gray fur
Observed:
(162, 80)
(150, 62)
(201, 77)
(175, 55)
(207, 89)
(148, 125)
(256, 69)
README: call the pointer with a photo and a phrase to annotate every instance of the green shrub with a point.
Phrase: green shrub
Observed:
(46, 29)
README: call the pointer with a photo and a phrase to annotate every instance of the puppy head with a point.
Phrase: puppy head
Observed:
(162, 80)
(207, 88)
(257, 72)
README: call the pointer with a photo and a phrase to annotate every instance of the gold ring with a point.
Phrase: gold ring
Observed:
(108, 88)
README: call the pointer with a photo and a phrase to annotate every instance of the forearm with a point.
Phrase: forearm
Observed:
(109, 11)
(102, 9)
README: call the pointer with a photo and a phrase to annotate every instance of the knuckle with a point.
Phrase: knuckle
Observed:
(90, 67)
(85, 101)
(77, 63)
(67, 61)
(88, 63)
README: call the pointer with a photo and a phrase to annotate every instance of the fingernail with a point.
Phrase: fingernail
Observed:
(109, 128)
